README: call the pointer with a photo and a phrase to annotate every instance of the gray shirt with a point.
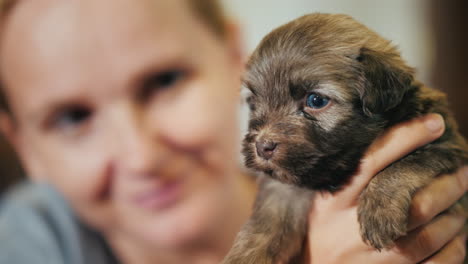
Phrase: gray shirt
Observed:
(38, 226)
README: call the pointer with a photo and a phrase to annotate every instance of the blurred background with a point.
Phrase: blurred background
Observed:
(404, 22)
(432, 36)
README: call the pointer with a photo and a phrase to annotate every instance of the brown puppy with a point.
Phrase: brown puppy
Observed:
(323, 88)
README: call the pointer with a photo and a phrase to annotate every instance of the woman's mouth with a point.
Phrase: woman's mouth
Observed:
(160, 197)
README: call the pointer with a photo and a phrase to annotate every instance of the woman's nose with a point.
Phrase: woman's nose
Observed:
(191, 120)
(136, 145)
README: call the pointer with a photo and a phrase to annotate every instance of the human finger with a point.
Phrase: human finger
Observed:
(439, 195)
(452, 253)
(424, 241)
(395, 143)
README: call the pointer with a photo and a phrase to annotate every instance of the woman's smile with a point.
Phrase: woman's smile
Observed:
(161, 196)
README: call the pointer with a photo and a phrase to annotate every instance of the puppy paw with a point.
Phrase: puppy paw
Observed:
(382, 219)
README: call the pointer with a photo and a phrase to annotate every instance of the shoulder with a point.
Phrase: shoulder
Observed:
(33, 218)
(30, 205)
(40, 227)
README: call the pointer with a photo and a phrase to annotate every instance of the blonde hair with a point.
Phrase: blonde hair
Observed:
(209, 11)
(212, 13)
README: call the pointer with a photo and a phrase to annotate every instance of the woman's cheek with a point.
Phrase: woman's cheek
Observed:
(191, 119)
(81, 175)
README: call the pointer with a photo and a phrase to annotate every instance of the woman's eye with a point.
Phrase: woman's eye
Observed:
(160, 81)
(316, 101)
(71, 117)
(167, 79)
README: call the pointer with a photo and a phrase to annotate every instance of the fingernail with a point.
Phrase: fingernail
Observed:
(434, 123)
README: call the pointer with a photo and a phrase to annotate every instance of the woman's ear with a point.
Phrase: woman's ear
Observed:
(7, 128)
(387, 79)
(10, 130)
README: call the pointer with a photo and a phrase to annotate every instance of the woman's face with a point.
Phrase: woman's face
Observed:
(129, 108)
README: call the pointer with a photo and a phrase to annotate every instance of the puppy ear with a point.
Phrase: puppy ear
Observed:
(387, 79)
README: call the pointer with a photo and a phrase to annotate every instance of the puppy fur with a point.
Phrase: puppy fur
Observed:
(369, 88)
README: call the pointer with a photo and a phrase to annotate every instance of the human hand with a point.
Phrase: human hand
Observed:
(333, 227)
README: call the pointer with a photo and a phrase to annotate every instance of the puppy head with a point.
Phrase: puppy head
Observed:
(322, 88)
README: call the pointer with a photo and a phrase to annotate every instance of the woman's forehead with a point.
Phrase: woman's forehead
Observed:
(67, 44)
(76, 26)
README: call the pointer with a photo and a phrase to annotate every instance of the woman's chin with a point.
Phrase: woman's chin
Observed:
(188, 223)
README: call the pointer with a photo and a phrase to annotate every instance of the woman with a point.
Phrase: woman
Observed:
(128, 109)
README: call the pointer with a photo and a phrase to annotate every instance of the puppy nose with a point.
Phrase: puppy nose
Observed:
(265, 149)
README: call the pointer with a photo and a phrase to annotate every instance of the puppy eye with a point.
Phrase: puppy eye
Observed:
(316, 101)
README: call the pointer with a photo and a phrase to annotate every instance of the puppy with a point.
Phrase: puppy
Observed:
(324, 87)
